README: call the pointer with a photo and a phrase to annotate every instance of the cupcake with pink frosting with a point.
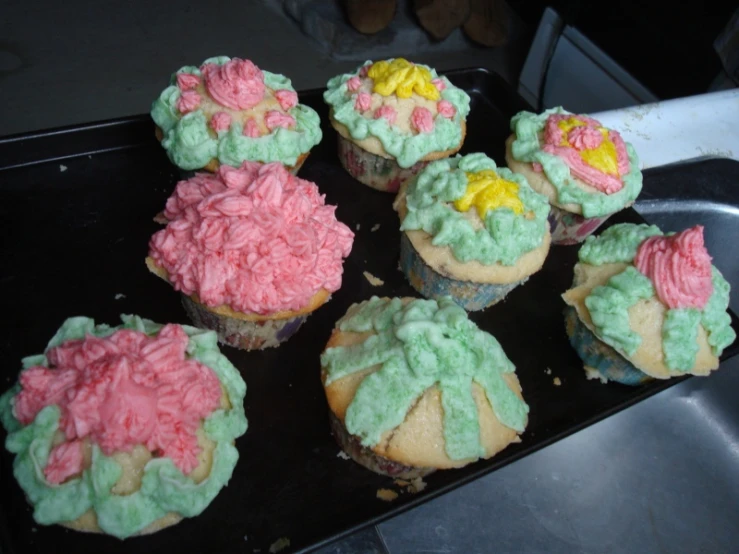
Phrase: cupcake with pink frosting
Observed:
(124, 430)
(228, 111)
(393, 117)
(254, 250)
(587, 171)
(644, 305)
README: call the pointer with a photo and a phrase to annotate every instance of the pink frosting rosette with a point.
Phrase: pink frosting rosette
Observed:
(237, 84)
(578, 147)
(679, 266)
(121, 391)
(256, 239)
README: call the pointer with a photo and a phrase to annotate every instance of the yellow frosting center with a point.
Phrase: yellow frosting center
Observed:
(402, 78)
(603, 158)
(486, 190)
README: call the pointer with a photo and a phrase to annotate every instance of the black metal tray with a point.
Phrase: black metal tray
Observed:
(76, 208)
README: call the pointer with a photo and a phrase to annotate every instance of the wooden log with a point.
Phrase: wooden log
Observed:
(488, 22)
(370, 16)
(440, 17)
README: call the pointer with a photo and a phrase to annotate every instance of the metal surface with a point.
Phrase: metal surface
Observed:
(659, 477)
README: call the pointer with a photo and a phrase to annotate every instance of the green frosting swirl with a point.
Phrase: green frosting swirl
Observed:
(281, 145)
(609, 308)
(715, 319)
(506, 235)
(527, 148)
(680, 338)
(164, 488)
(190, 144)
(618, 243)
(609, 304)
(419, 345)
(407, 148)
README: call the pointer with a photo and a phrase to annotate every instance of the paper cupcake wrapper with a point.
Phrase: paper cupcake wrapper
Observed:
(471, 296)
(569, 228)
(366, 457)
(372, 170)
(598, 356)
(246, 335)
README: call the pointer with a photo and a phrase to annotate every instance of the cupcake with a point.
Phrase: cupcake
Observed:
(393, 117)
(644, 305)
(587, 171)
(253, 250)
(124, 430)
(228, 111)
(414, 386)
(470, 230)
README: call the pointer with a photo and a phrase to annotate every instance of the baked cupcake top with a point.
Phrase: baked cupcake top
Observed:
(655, 298)
(101, 399)
(256, 239)
(230, 110)
(481, 212)
(591, 167)
(397, 109)
(413, 348)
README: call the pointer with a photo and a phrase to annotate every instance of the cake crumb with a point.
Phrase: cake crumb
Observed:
(374, 281)
(120, 296)
(386, 495)
(343, 455)
(417, 485)
(592, 373)
(358, 227)
(402, 482)
(279, 544)
(548, 371)
(62, 168)
(375, 227)
(89, 156)
(557, 382)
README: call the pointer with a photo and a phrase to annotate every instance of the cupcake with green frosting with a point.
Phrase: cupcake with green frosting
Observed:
(392, 118)
(644, 305)
(414, 386)
(124, 430)
(471, 230)
(587, 171)
(228, 111)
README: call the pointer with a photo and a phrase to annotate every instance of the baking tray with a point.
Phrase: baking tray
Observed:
(76, 208)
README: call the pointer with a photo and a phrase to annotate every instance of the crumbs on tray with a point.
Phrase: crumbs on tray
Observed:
(387, 495)
(374, 281)
(279, 544)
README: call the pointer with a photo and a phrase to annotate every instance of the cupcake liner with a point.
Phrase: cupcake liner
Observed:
(599, 359)
(374, 171)
(469, 295)
(366, 457)
(246, 335)
(570, 228)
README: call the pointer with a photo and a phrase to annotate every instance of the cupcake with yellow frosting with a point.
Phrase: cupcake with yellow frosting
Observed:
(124, 430)
(587, 171)
(414, 386)
(227, 111)
(471, 230)
(393, 117)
